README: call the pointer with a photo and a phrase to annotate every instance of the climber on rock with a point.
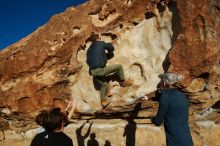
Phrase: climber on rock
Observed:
(97, 55)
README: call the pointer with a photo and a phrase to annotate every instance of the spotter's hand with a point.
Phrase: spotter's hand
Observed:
(145, 98)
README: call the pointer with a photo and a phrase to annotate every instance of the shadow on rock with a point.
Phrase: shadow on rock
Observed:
(81, 138)
(130, 128)
(92, 141)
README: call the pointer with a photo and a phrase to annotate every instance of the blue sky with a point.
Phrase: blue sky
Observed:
(19, 18)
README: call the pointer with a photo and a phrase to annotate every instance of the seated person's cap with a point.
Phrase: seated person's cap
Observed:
(170, 78)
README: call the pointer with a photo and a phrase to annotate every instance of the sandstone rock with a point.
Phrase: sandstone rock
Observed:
(11, 135)
(196, 85)
(208, 131)
(122, 132)
(196, 49)
(2, 136)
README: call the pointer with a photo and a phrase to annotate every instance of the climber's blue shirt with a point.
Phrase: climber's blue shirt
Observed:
(174, 111)
(96, 54)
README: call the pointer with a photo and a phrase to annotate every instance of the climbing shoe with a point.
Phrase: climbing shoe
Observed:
(106, 101)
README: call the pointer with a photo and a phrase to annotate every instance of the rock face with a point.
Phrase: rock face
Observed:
(48, 67)
(196, 50)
